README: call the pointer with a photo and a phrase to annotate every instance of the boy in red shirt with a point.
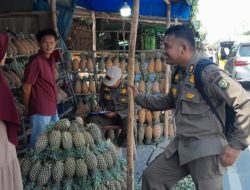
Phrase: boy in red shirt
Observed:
(39, 88)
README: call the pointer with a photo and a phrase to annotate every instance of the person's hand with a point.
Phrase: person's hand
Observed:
(135, 91)
(110, 114)
(229, 156)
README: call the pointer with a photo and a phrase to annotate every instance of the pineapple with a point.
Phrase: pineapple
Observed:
(123, 185)
(116, 61)
(141, 116)
(62, 124)
(111, 185)
(156, 87)
(148, 134)
(67, 142)
(113, 152)
(70, 167)
(81, 168)
(79, 120)
(88, 139)
(101, 65)
(34, 171)
(137, 66)
(158, 63)
(108, 159)
(157, 131)
(101, 163)
(141, 133)
(41, 143)
(156, 117)
(58, 171)
(162, 85)
(149, 86)
(151, 65)
(94, 130)
(74, 127)
(75, 64)
(26, 166)
(90, 160)
(149, 117)
(78, 140)
(83, 62)
(92, 86)
(141, 86)
(44, 175)
(90, 66)
(77, 86)
(85, 85)
(55, 139)
(108, 63)
(117, 185)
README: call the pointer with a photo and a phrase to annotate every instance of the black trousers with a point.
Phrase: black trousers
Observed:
(101, 120)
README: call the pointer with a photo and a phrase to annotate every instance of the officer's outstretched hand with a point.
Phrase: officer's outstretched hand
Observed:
(229, 156)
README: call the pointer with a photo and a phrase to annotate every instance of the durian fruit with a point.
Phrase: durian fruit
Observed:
(81, 168)
(34, 171)
(70, 167)
(41, 142)
(151, 65)
(78, 140)
(55, 139)
(85, 86)
(67, 141)
(58, 171)
(62, 124)
(94, 130)
(44, 174)
(83, 62)
(75, 64)
(108, 63)
(158, 63)
(90, 66)
(92, 86)
(90, 160)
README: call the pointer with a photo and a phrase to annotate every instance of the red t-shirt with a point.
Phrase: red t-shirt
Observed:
(40, 73)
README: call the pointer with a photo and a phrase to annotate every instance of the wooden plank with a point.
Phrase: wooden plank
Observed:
(131, 60)
(53, 15)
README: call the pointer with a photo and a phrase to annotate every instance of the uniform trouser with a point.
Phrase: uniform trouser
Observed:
(163, 173)
(101, 120)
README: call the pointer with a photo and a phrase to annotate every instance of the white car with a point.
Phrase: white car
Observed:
(238, 62)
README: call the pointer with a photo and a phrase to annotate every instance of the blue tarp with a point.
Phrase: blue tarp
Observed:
(180, 10)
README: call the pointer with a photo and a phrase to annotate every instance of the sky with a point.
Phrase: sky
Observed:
(224, 18)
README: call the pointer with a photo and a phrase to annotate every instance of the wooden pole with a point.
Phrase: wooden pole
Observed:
(131, 105)
(94, 31)
(53, 15)
(167, 72)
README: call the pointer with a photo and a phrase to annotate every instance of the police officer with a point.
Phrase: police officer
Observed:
(113, 99)
(200, 147)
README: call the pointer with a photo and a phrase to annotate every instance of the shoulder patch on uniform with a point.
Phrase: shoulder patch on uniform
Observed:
(191, 79)
(222, 83)
(213, 76)
(191, 68)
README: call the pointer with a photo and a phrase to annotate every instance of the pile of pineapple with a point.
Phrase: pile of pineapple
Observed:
(72, 155)
(22, 44)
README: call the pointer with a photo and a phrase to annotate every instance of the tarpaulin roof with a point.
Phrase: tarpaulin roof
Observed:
(179, 9)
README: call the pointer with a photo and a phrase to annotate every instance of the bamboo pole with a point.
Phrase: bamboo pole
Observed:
(53, 15)
(94, 31)
(131, 105)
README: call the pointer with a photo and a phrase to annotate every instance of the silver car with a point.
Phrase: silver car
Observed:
(238, 63)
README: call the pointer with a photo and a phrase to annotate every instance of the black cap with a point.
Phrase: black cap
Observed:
(45, 32)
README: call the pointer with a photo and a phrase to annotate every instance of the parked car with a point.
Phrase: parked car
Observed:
(238, 62)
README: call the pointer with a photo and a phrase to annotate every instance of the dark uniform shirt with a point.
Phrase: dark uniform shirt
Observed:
(199, 133)
(40, 73)
(114, 99)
